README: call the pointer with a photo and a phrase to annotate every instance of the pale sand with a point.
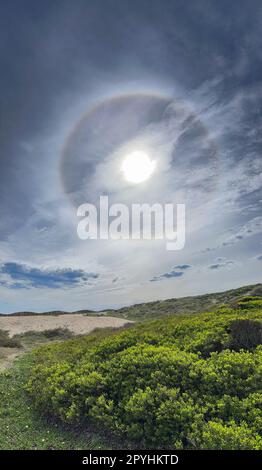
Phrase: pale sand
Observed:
(77, 323)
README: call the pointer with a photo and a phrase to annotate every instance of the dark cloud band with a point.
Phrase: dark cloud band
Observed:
(16, 275)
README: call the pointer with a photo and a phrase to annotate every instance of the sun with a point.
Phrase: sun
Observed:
(137, 167)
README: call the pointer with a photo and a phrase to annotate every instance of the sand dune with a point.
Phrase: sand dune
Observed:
(77, 323)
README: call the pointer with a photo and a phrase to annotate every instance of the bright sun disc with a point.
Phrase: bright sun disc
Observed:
(137, 167)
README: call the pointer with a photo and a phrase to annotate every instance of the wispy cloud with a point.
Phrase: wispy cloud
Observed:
(221, 263)
(183, 266)
(168, 275)
(250, 228)
(176, 271)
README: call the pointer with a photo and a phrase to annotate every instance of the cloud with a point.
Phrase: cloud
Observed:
(250, 228)
(183, 266)
(215, 266)
(16, 275)
(259, 257)
(221, 263)
(207, 143)
(167, 275)
(176, 271)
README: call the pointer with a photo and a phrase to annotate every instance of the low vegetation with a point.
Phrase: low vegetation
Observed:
(14, 346)
(185, 305)
(34, 337)
(7, 342)
(21, 427)
(189, 382)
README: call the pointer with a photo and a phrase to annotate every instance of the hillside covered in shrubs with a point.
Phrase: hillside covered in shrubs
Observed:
(185, 383)
(185, 305)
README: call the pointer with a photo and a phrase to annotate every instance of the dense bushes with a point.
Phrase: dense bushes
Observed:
(172, 383)
(217, 436)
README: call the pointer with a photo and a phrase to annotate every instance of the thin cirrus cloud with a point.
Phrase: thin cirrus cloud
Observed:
(17, 276)
(252, 227)
(249, 229)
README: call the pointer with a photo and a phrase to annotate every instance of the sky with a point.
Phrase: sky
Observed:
(85, 83)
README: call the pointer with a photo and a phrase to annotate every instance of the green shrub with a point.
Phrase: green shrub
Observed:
(165, 383)
(160, 415)
(218, 436)
(232, 408)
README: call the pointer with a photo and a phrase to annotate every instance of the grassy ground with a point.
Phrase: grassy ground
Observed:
(22, 428)
(11, 348)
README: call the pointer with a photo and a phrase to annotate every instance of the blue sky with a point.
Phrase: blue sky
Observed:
(81, 82)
